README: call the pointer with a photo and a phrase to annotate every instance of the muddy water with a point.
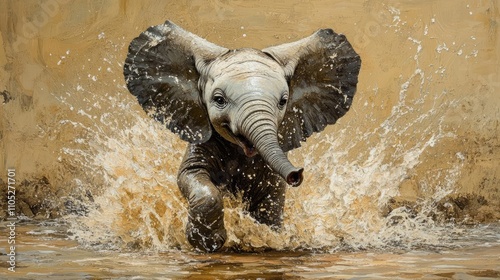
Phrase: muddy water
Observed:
(47, 252)
(387, 189)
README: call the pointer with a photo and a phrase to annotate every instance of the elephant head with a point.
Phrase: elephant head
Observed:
(265, 101)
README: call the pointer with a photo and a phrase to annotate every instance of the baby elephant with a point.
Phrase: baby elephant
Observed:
(241, 111)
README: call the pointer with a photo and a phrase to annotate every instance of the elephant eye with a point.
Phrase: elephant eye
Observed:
(219, 101)
(283, 100)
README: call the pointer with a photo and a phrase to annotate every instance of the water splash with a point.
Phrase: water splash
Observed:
(140, 205)
(354, 171)
(341, 205)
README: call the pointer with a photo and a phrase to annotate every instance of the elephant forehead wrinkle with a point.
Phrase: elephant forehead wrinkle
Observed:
(253, 74)
(256, 83)
(243, 58)
(255, 62)
(246, 66)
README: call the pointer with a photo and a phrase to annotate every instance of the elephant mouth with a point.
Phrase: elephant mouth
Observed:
(245, 144)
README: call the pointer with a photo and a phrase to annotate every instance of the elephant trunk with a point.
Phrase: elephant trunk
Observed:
(259, 126)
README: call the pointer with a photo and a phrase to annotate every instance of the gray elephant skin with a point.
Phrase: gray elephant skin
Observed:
(241, 112)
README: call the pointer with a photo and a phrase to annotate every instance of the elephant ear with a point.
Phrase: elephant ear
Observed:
(322, 71)
(162, 70)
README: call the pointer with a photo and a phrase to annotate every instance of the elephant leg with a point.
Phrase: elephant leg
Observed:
(205, 229)
(267, 201)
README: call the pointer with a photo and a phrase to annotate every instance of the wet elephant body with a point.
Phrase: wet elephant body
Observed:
(241, 111)
(220, 167)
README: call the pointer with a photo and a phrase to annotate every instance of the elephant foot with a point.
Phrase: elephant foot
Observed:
(205, 239)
